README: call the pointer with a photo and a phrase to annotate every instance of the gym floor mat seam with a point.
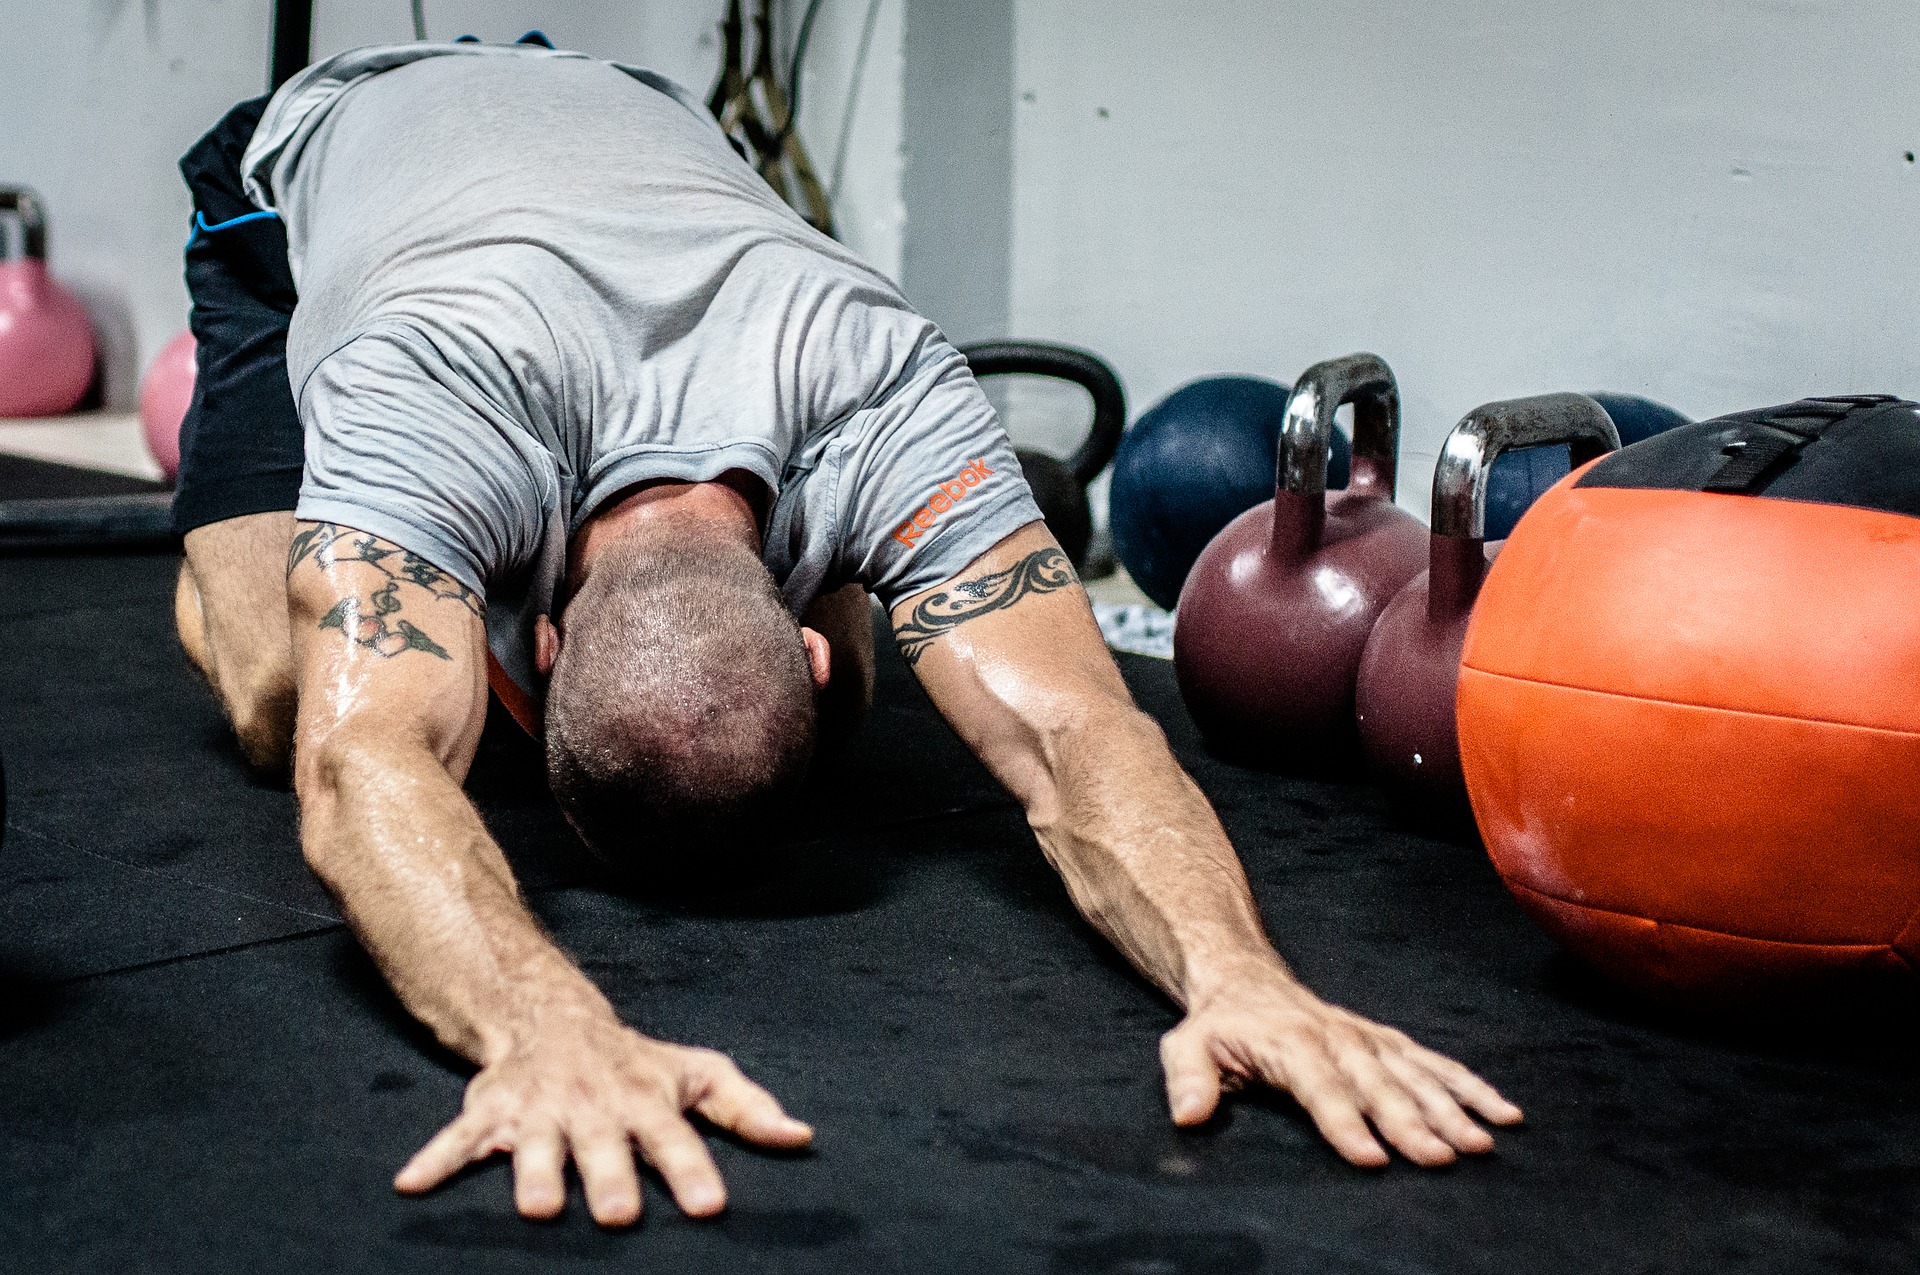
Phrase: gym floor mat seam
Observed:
(140, 967)
(169, 876)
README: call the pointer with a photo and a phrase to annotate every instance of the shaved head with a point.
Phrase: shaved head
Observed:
(681, 705)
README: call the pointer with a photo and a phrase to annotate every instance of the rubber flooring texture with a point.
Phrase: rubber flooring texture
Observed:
(25, 478)
(200, 1072)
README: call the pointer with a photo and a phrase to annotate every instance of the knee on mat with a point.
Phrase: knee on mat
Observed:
(259, 701)
(188, 622)
(263, 719)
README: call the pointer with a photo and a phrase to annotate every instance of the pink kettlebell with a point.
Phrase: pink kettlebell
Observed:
(46, 340)
(165, 392)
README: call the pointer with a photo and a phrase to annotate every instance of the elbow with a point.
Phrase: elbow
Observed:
(321, 765)
(329, 769)
(1102, 728)
(263, 718)
(1082, 748)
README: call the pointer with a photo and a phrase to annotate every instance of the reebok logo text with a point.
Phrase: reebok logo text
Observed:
(945, 497)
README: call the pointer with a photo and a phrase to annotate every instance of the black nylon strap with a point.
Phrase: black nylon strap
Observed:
(1777, 434)
(1750, 457)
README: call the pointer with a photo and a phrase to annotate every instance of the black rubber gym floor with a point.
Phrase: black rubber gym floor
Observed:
(200, 1072)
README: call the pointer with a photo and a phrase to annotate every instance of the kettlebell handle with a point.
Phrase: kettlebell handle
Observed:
(1363, 380)
(1063, 363)
(1466, 459)
(1457, 562)
(26, 206)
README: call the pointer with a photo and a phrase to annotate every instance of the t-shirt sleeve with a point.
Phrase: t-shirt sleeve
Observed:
(928, 487)
(399, 448)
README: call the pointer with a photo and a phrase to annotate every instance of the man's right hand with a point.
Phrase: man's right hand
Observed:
(391, 653)
(592, 1089)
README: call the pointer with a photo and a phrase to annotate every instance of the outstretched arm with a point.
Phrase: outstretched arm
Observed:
(390, 655)
(1011, 655)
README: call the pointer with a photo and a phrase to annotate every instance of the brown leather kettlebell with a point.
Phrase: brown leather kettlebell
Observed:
(1277, 608)
(1410, 670)
(46, 339)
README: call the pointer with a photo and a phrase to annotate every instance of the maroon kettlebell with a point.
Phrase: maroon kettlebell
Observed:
(1277, 608)
(46, 340)
(1410, 671)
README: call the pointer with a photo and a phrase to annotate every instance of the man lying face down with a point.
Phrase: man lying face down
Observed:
(513, 373)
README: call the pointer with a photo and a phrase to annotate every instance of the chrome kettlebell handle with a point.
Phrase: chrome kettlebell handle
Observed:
(26, 206)
(1466, 459)
(1363, 380)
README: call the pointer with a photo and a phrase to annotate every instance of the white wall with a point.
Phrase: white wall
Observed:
(957, 126)
(869, 212)
(1707, 201)
(99, 98)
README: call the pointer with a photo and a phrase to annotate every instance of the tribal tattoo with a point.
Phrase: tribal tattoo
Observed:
(1043, 571)
(375, 624)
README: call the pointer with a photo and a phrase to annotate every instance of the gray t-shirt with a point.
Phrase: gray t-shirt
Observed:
(530, 279)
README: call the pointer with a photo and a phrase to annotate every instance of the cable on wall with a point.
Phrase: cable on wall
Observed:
(795, 63)
(854, 82)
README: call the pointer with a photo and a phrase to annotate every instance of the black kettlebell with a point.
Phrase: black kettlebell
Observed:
(1060, 486)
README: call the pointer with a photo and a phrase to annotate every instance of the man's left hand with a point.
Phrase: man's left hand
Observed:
(1347, 1072)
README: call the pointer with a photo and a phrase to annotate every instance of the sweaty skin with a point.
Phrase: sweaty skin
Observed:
(1011, 655)
(389, 655)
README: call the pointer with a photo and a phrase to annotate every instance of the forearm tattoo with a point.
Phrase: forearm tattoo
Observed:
(1043, 571)
(374, 622)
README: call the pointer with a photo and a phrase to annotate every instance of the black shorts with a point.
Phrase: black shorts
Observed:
(240, 445)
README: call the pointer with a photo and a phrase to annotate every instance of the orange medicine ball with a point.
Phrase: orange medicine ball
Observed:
(1689, 705)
